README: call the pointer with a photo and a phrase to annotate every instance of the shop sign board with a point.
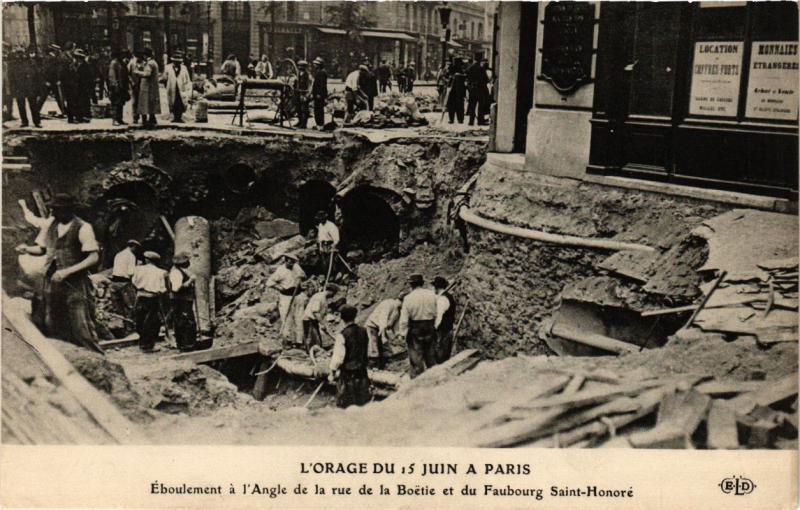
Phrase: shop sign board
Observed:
(772, 92)
(716, 78)
(567, 45)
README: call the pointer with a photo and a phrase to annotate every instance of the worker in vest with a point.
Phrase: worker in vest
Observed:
(151, 284)
(349, 362)
(66, 301)
(445, 319)
(314, 316)
(417, 325)
(381, 328)
(181, 287)
(122, 292)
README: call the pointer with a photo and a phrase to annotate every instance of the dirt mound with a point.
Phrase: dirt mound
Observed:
(108, 377)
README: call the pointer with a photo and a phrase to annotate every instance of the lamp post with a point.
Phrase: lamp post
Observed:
(444, 18)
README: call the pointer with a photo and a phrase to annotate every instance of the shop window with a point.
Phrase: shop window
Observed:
(744, 61)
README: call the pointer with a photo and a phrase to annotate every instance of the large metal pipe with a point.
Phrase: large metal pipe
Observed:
(193, 236)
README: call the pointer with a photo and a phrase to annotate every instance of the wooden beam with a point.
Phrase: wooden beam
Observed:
(217, 353)
(95, 402)
(593, 339)
(767, 395)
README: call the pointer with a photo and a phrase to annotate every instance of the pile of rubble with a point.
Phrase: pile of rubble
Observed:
(391, 110)
(573, 408)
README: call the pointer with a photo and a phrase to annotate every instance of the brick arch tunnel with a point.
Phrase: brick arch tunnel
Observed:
(129, 210)
(369, 223)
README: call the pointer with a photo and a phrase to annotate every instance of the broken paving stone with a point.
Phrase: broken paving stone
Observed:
(290, 245)
(279, 228)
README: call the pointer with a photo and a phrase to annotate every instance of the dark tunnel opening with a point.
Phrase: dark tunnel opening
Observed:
(368, 223)
(239, 178)
(130, 211)
(314, 196)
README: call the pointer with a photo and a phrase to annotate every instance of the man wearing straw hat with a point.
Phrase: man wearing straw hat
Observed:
(287, 280)
(182, 292)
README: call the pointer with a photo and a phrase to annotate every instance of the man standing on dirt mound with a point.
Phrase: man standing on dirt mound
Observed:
(327, 241)
(417, 318)
(287, 280)
(349, 362)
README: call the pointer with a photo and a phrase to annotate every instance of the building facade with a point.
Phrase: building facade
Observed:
(703, 94)
(396, 32)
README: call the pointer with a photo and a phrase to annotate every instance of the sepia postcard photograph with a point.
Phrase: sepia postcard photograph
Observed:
(417, 254)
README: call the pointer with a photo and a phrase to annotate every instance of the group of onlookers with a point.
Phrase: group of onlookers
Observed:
(76, 79)
(458, 82)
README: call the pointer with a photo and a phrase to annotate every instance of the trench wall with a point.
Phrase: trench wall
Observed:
(515, 285)
(186, 172)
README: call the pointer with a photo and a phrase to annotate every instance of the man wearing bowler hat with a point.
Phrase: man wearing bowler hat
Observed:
(66, 308)
(319, 91)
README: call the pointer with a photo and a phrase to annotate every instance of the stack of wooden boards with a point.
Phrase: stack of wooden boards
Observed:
(761, 303)
(587, 409)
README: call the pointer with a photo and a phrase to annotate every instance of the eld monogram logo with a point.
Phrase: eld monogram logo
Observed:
(737, 485)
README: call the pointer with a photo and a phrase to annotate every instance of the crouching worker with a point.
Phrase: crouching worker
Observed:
(151, 283)
(181, 286)
(314, 317)
(349, 362)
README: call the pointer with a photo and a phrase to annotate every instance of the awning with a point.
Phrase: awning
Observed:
(332, 31)
(454, 44)
(388, 35)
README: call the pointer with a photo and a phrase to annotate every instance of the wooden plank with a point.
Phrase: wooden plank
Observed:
(304, 368)
(596, 396)
(679, 415)
(716, 388)
(722, 432)
(499, 412)
(668, 311)
(765, 396)
(647, 402)
(96, 403)
(41, 205)
(593, 339)
(217, 353)
(128, 341)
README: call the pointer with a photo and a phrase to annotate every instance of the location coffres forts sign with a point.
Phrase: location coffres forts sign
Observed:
(716, 78)
(773, 82)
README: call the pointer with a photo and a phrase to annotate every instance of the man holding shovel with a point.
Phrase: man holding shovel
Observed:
(287, 279)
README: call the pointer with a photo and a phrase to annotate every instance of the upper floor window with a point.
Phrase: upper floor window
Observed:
(234, 10)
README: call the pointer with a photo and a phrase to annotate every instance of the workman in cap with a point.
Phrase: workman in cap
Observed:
(319, 91)
(151, 284)
(478, 86)
(417, 325)
(302, 92)
(64, 307)
(122, 292)
(349, 362)
(182, 292)
(287, 280)
(445, 319)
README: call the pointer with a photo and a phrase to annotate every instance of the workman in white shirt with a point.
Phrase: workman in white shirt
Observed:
(150, 282)
(287, 280)
(417, 325)
(381, 328)
(314, 316)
